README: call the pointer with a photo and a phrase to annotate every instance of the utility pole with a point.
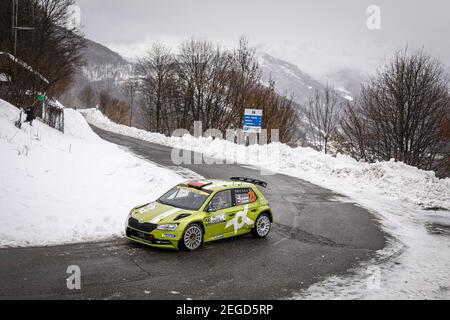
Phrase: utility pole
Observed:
(15, 25)
(15, 5)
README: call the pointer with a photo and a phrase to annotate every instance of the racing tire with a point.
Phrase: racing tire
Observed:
(192, 238)
(262, 228)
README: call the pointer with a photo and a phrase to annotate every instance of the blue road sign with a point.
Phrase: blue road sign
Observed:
(253, 120)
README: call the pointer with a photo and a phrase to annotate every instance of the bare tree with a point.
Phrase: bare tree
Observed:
(400, 113)
(323, 118)
(50, 48)
(88, 96)
(155, 71)
(129, 90)
(117, 111)
(442, 165)
(194, 66)
(245, 78)
(352, 135)
(209, 84)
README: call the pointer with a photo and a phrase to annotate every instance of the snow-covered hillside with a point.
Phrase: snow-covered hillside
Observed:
(104, 64)
(58, 188)
(412, 206)
(348, 81)
(288, 78)
(301, 86)
(103, 69)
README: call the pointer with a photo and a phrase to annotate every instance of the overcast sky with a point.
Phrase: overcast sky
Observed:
(333, 31)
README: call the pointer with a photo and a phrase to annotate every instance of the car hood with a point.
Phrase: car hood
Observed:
(156, 213)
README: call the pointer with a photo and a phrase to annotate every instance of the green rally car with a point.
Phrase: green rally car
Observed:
(200, 211)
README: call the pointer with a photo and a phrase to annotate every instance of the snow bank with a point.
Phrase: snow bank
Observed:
(416, 262)
(60, 188)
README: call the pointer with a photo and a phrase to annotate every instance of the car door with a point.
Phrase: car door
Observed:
(241, 218)
(216, 216)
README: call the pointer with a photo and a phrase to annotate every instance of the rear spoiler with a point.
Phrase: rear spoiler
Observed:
(250, 180)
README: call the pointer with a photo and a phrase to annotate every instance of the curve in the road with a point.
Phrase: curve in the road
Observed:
(316, 235)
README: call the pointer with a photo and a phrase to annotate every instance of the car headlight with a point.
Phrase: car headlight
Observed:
(167, 227)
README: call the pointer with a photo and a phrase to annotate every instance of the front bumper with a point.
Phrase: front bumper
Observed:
(156, 238)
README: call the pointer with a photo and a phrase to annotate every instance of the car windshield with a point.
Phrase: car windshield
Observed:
(184, 198)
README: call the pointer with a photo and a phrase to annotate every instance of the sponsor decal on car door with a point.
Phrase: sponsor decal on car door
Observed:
(239, 220)
(243, 216)
(216, 219)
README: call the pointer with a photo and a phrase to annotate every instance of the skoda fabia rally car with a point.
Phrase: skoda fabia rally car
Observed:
(200, 211)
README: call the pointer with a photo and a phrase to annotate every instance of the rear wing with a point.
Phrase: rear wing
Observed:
(250, 180)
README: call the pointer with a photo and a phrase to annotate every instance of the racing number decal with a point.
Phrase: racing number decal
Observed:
(252, 197)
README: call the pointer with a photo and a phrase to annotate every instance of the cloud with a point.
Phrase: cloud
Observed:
(135, 50)
(330, 32)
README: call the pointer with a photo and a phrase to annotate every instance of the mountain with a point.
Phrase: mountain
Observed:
(289, 79)
(103, 69)
(347, 80)
(104, 64)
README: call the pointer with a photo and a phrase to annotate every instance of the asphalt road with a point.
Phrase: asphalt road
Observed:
(317, 234)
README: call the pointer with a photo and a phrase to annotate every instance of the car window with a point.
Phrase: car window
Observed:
(244, 196)
(179, 194)
(183, 198)
(222, 200)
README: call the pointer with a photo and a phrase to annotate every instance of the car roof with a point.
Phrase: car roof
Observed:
(221, 184)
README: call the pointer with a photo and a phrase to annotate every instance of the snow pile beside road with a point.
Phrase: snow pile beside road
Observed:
(388, 179)
(393, 180)
(60, 188)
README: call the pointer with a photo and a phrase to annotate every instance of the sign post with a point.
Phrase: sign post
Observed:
(40, 98)
(253, 120)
